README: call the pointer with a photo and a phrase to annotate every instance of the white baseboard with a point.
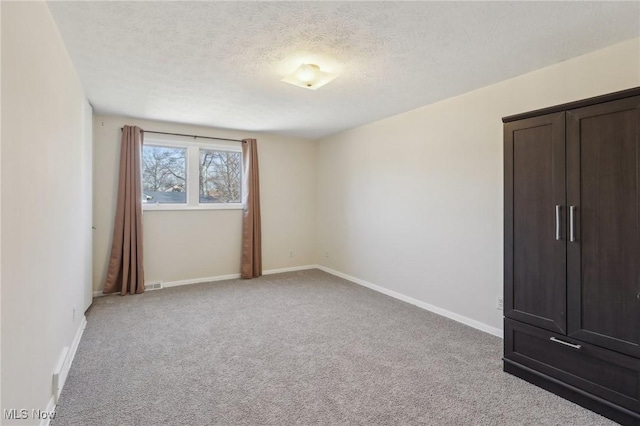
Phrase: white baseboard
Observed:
(99, 293)
(219, 278)
(234, 276)
(440, 311)
(62, 371)
(51, 407)
(199, 280)
(291, 269)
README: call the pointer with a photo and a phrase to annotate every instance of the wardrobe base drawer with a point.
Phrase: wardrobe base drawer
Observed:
(609, 375)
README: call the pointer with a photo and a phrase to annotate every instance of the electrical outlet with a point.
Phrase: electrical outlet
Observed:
(500, 303)
(291, 253)
(74, 313)
(326, 254)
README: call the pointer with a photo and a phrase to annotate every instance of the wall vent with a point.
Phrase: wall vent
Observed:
(153, 286)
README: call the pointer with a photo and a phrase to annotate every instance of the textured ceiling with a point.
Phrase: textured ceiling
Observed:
(220, 63)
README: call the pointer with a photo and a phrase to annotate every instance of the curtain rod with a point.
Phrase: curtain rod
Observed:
(189, 136)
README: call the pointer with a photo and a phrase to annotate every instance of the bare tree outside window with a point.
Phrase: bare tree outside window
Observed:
(164, 174)
(220, 176)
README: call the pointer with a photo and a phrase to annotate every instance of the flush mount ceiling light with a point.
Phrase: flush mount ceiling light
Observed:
(309, 76)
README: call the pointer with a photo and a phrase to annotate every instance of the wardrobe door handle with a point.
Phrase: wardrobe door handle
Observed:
(562, 342)
(572, 236)
(558, 237)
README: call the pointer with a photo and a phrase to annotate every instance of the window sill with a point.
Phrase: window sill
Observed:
(165, 207)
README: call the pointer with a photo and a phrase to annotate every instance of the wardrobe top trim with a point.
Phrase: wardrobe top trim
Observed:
(635, 91)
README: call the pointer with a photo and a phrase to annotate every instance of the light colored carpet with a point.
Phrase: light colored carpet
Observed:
(296, 348)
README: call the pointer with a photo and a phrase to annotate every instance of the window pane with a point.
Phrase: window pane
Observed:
(164, 172)
(220, 176)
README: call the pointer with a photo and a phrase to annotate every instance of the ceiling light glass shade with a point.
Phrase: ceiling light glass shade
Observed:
(309, 76)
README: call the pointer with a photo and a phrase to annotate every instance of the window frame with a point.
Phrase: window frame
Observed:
(193, 174)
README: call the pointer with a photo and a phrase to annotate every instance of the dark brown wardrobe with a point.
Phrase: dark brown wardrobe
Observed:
(572, 251)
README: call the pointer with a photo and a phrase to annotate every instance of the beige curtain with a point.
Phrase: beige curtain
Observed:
(125, 273)
(251, 227)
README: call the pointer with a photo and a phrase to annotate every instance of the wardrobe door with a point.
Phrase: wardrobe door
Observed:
(535, 248)
(603, 155)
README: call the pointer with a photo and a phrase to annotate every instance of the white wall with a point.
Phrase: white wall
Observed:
(414, 203)
(45, 204)
(0, 212)
(185, 245)
(87, 212)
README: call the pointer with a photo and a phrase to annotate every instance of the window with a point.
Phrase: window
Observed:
(220, 176)
(187, 175)
(164, 175)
